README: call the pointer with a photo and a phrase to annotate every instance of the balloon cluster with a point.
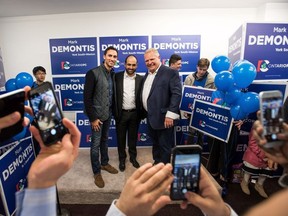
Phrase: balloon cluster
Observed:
(229, 85)
(22, 79)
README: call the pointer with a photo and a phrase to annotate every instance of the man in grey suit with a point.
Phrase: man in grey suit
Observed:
(126, 110)
(161, 96)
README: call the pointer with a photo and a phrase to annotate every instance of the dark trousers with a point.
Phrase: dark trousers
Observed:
(163, 141)
(127, 126)
(222, 154)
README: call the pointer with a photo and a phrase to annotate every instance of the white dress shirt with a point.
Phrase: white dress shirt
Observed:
(129, 92)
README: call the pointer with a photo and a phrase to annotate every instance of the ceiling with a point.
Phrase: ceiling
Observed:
(13, 8)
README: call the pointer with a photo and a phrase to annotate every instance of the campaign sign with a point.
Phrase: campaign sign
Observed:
(83, 124)
(266, 46)
(71, 92)
(190, 93)
(73, 55)
(235, 46)
(143, 138)
(14, 168)
(2, 74)
(212, 119)
(187, 46)
(126, 45)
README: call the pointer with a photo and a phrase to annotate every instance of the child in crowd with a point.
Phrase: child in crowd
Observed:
(256, 163)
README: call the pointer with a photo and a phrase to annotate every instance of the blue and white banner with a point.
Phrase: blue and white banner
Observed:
(190, 93)
(73, 55)
(82, 122)
(126, 45)
(212, 119)
(187, 46)
(71, 91)
(2, 74)
(266, 46)
(235, 45)
(14, 168)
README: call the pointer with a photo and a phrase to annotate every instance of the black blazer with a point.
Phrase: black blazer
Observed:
(118, 94)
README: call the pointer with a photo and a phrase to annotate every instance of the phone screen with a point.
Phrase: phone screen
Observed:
(272, 117)
(9, 103)
(186, 169)
(47, 113)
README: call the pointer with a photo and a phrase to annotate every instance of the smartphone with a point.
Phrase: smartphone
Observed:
(48, 115)
(186, 162)
(271, 116)
(9, 103)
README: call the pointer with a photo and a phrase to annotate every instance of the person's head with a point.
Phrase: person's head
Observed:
(131, 64)
(110, 57)
(152, 59)
(39, 73)
(202, 67)
(175, 62)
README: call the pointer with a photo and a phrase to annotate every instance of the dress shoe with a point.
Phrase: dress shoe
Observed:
(135, 163)
(109, 169)
(98, 180)
(122, 166)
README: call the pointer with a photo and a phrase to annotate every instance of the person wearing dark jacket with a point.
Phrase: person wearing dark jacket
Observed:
(98, 96)
(126, 110)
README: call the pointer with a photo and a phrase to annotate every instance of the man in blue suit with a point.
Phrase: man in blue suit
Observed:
(161, 96)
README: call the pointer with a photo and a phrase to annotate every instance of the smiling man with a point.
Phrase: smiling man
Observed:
(98, 94)
(161, 96)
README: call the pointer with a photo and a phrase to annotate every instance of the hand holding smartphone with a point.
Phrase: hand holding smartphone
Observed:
(48, 115)
(9, 103)
(271, 116)
(186, 162)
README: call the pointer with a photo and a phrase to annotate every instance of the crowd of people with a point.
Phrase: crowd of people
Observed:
(130, 98)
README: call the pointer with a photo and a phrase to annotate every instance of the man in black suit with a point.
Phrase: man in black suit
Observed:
(161, 96)
(126, 110)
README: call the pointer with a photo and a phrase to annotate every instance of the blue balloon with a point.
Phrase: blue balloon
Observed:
(218, 97)
(237, 112)
(31, 118)
(24, 79)
(224, 81)
(244, 74)
(232, 96)
(249, 102)
(220, 63)
(10, 85)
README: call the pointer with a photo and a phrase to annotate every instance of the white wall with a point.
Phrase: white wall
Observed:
(25, 40)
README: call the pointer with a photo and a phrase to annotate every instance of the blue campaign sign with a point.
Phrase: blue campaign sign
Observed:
(71, 91)
(212, 119)
(190, 93)
(73, 55)
(14, 168)
(82, 122)
(266, 46)
(126, 45)
(235, 46)
(187, 46)
(143, 138)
